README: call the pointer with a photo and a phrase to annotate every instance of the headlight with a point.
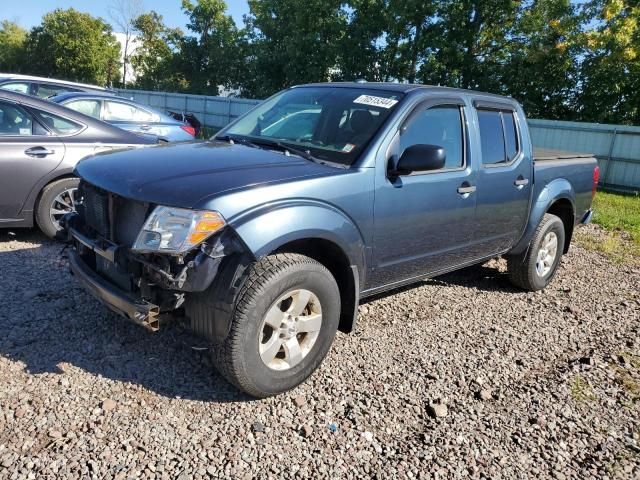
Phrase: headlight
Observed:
(177, 230)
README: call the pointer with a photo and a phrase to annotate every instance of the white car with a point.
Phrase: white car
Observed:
(45, 87)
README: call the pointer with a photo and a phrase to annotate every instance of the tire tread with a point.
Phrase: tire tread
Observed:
(259, 276)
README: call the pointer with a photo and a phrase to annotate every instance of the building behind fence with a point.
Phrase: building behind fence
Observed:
(617, 147)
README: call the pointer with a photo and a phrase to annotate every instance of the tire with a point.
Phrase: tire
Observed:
(265, 298)
(532, 270)
(49, 198)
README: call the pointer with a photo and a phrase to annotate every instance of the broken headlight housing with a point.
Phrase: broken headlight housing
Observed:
(176, 230)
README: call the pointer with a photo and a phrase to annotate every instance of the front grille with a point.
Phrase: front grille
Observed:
(112, 217)
(94, 209)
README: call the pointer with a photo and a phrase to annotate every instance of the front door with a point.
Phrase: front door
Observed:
(27, 153)
(424, 221)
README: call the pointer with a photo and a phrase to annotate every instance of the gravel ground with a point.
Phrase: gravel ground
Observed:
(461, 376)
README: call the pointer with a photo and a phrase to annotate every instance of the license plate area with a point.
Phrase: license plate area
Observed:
(113, 273)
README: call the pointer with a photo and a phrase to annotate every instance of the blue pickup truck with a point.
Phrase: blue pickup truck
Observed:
(264, 239)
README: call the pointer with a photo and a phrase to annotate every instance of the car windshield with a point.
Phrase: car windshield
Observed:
(332, 124)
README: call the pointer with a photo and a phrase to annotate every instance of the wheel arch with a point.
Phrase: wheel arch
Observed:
(336, 261)
(557, 198)
(317, 230)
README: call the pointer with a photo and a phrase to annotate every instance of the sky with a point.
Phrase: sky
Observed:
(28, 13)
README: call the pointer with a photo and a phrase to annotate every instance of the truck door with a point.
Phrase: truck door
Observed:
(423, 221)
(504, 178)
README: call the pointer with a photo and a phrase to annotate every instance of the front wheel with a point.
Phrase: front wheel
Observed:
(57, 199)
(535, 268)
(286, 317)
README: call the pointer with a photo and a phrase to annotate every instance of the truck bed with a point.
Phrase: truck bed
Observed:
(542, 154)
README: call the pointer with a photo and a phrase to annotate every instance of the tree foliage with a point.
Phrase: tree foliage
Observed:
(73, 45)
(12, 40)
(562, 59)
(154, 59)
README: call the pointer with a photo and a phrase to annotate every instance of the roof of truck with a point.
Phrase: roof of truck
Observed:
(403, 88)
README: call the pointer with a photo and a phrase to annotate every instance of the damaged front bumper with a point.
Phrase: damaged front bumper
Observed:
(141, 287)
(121, 302)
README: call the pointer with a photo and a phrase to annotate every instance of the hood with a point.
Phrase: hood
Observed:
(185, 174)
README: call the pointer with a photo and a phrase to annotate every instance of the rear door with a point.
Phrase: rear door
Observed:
(504, 179)
(28, 152)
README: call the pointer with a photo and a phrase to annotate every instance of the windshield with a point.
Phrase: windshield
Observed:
(332, 124)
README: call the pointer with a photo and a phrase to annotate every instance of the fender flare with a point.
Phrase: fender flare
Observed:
(264, 230)
(559, 189)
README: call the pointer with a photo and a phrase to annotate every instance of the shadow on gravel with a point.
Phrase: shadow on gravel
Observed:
(49, 323)
(479, 277)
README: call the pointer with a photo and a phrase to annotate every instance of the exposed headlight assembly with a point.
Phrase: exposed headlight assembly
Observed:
(176, 230)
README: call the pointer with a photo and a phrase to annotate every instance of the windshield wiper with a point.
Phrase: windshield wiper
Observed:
(306, 154)
(234, 139)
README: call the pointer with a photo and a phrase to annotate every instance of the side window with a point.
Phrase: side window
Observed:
(59, 125)
(14, 121)
(498, 136)
(20, 87)
(441, 126)
(88, 107)
(46, 90)
(117, 111)
(511, 139)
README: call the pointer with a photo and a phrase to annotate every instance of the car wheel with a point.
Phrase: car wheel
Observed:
(56, 200)
(535, 268)
(286, 316)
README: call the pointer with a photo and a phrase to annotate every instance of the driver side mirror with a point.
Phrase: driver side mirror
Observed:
(420, 158)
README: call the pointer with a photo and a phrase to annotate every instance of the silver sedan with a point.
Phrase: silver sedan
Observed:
(40, 145)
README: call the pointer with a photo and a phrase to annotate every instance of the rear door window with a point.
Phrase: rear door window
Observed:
(46, 90)
(499, 138)
(14, 121)
(511, 139)
(20, 87)
(123, 112)
(88, 107)
(59, 125)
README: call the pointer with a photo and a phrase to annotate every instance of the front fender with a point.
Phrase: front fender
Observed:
(552, 192)
(266, 229)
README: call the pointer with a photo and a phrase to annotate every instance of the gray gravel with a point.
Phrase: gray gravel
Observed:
(461, 376)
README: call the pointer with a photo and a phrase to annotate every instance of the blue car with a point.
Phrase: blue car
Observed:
(128, 115)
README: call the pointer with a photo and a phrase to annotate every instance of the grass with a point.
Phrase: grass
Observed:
(619, 215)
(581, 391)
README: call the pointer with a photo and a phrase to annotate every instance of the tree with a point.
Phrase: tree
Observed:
(470, 44)
(12, 40)
(74, 46)
(155, 58)
(610, 72)
(293, 43)
(213, 57)
(542, 69)
(123, 14)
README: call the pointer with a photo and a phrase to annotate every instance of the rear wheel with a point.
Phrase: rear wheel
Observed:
(57, 199)
(286, 317)
(535, 268)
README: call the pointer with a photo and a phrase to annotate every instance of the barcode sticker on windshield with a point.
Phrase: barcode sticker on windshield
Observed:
(375, 101)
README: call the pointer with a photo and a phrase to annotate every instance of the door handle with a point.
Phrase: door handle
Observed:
(466, 189)
(145, 127)
(38, 152)
(521, 182)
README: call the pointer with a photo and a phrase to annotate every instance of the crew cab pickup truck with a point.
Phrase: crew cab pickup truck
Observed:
(264, 239)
